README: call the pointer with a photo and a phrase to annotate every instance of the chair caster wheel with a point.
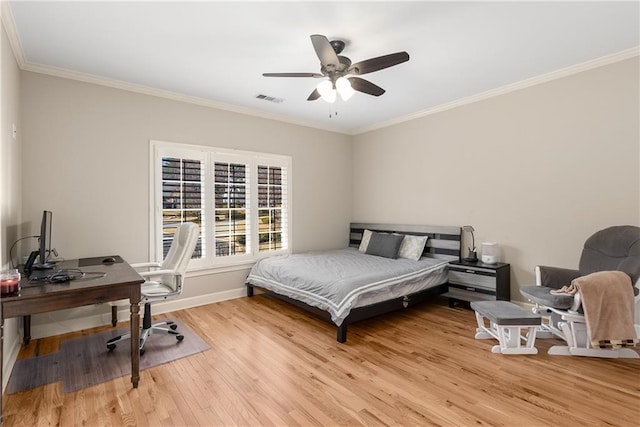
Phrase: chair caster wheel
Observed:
(173, 326)
(111, 346)
(179, 337)
(141, 351)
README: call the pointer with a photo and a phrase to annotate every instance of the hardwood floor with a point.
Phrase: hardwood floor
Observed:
(272, 364)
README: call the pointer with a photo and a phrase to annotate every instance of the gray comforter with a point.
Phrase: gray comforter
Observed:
(336, 281)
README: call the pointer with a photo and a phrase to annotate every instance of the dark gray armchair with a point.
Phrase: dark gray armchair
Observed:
(612, 249)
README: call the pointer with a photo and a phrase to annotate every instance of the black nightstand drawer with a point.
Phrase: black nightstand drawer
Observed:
(474, 281)
(473, 278)
(455, 293)
(469, 288)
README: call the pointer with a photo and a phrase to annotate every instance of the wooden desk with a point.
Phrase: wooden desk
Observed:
(120, 282)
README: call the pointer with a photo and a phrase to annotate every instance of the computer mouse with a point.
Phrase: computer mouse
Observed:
(60, 277)
(109, 260)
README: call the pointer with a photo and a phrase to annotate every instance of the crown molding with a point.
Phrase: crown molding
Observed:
(12, 33)
(523, 84)
(147, 90)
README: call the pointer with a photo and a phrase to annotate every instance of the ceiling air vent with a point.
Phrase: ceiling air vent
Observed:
(270, 98)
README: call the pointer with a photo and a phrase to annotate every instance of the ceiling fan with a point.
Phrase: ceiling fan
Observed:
(341, 72)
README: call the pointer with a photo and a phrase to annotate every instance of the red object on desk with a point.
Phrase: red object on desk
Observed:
(9, 285)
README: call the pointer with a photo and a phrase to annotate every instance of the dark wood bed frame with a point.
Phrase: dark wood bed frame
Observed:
(443, 243)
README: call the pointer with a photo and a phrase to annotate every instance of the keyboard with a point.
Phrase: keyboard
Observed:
(37, 275)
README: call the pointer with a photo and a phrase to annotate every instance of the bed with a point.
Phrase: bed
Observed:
(348, 285)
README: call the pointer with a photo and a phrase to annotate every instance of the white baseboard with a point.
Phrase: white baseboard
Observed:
(80, 323)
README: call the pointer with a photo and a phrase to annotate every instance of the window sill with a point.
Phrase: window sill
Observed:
(208, 270)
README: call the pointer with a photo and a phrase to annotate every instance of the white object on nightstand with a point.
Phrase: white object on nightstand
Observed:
(490, 253)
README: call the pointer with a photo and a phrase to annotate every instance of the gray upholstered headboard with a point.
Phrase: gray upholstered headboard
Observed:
(443, 242)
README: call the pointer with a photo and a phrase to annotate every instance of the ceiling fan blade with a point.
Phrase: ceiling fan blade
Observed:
(292, 75)
(365, 86)
(324, 50)
(314, 95)
(379, 63)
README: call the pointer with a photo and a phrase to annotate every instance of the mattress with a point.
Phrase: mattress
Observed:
(337, 281)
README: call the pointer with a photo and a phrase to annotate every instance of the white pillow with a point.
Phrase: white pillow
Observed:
(412, 247)
(364, 243)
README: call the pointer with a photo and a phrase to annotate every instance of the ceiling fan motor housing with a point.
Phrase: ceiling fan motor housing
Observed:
(337, 70)
(344, 61)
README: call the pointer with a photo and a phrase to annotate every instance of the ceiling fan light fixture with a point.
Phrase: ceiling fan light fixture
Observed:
(327, 91)
(343, 86)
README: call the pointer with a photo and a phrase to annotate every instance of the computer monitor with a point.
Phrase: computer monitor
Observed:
(45, 242)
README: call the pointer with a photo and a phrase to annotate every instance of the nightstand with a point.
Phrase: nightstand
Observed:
(477, 281)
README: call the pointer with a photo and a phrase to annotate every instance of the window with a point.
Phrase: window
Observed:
(231, 206)
(239, 199)
(270, 207)
(181, 198)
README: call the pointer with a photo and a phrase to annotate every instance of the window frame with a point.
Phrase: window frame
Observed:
(209, 156)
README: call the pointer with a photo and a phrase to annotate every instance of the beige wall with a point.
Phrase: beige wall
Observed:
(10, 184)
(536, 170)
(86, 158)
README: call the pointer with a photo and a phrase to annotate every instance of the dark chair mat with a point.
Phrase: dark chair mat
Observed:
(84, 362)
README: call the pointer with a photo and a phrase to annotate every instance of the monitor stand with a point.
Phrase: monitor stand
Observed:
(30, 264)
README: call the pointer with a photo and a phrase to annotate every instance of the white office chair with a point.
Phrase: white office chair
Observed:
(169, 278)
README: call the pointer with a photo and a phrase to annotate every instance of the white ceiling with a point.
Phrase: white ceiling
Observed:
(216, 52)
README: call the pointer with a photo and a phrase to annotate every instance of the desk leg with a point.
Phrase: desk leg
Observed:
(26, 327)
(135, 343)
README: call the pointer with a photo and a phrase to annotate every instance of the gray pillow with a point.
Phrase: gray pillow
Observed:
(385, 245)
